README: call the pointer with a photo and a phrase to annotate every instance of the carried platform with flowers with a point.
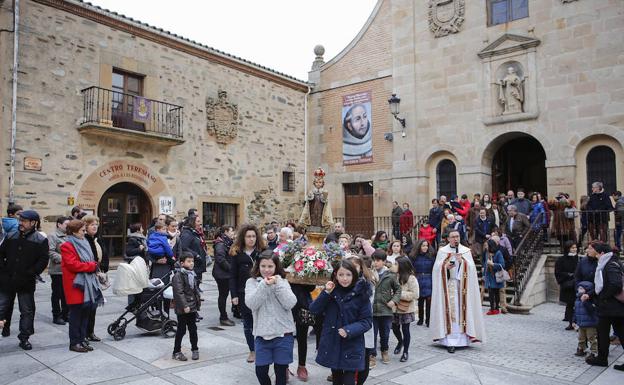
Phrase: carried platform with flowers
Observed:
(309, 265)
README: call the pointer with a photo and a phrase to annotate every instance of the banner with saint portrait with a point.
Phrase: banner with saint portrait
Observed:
(357, 131)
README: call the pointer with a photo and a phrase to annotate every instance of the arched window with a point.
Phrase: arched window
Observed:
(446, 177)
(601, 168)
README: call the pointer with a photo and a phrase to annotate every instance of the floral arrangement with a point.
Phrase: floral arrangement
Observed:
(333, 251)
(311, 262)
(288, 251)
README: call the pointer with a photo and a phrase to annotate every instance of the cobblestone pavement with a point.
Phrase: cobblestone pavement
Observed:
(532, 349)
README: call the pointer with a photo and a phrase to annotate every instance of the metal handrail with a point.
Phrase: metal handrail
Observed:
(113, 108)
(526, 256)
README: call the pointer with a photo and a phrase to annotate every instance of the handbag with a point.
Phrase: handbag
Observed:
(103, 279)
(502, 276)
(404, 305)
(305, 317)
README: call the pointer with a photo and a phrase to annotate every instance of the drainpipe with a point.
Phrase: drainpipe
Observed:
(305, 141)
(14, 100)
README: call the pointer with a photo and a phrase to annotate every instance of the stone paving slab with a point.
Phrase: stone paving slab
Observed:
(532, 349)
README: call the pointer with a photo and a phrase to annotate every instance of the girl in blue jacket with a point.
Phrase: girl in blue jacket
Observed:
(345, 303)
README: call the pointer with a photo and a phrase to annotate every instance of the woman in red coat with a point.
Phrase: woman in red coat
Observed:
(82, 291)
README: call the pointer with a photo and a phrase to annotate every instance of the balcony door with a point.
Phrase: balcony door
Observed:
(125, 87)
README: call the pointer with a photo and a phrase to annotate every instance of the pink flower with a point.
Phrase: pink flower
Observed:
(319, 264)
(310, 251)
(299, 265)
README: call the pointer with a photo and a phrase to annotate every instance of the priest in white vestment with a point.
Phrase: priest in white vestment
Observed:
(456, 313)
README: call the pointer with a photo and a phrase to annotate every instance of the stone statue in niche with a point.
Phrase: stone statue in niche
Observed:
(222, 118)
(511, 92)
(317, 214)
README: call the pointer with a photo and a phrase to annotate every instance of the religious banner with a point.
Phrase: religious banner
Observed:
(357, 143)
(142, 109)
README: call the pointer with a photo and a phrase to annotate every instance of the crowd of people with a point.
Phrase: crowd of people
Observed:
(382, 284)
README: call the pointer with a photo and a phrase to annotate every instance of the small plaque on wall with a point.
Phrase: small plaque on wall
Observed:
(33, 164)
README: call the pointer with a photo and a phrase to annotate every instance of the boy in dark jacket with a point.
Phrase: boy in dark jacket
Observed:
(387, 296)
(586, 317)
(187, 303)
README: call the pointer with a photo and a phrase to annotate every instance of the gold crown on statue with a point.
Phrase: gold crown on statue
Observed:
(319, 173)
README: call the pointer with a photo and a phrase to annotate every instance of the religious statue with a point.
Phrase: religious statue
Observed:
(317, 215)
(511, 92)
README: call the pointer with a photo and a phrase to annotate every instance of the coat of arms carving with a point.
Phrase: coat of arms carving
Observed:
(222, 117)
(446, 16)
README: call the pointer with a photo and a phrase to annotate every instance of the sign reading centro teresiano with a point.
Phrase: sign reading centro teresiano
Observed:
(357, 143)
(115, 172)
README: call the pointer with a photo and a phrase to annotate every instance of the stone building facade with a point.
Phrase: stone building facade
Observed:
(128, 120)
(493, 98)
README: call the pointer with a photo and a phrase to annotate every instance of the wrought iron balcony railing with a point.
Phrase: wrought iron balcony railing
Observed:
(108, 108)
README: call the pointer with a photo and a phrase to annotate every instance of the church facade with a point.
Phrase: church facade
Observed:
(494, 95)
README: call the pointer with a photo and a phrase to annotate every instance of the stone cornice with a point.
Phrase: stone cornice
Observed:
(521, 43)
(172, 41)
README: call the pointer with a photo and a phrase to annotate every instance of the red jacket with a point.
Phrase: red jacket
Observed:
(406, 222)
(427, 234)
(70, 266)
(464, 209)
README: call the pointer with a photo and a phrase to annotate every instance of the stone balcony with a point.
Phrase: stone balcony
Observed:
(135, 118)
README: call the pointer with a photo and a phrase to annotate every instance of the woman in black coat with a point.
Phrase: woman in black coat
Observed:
(190, 240)
(245, 251)
(136, 245)
(565, 267)
(608, 285)
(221, 270)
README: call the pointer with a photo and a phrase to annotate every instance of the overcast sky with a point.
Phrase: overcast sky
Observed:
(279, 34)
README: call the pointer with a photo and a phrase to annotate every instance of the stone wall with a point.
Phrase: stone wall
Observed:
(62, 53)
(574, 91)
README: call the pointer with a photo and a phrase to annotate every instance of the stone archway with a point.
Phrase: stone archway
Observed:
(114, 172)
(517, 160)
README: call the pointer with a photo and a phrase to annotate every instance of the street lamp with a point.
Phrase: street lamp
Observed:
(395, 102)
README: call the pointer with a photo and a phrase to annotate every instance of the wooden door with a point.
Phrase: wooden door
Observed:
(112, 213)
(359, 208)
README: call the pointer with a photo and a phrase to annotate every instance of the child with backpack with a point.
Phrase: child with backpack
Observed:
(387, 296)
(187, 303)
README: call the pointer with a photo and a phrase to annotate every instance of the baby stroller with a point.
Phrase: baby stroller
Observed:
(147, 306)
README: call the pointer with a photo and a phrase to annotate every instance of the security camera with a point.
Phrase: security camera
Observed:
(403, 134)
(389, 137)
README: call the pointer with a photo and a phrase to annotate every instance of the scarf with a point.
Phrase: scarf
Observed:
(87, 282)
(602, 262)
(353, 147)
(190, 276)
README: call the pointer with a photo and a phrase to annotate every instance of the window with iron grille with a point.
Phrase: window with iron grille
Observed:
(446, 177)
(504, 11)
(288, 181)
(601, 168)
(215, 215)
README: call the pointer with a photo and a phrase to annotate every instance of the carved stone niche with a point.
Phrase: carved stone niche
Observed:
(509, 91)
